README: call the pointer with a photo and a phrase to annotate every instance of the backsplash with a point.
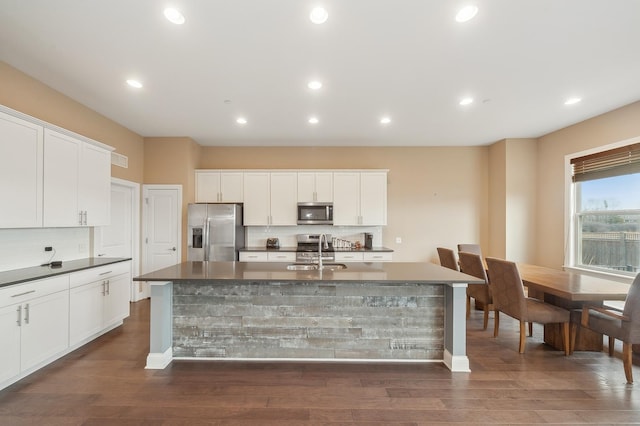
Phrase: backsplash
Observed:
(23, 248)
(256, 236)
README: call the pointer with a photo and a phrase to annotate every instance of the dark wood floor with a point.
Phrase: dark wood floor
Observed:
(105, 383)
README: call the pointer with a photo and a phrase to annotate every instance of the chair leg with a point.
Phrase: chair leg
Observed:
(496, 322)
(486, 316)
(612, 345)
(468, 307)
(565, 338)
(573, 336)
(627, 359)
(530, 329)
(523, 337)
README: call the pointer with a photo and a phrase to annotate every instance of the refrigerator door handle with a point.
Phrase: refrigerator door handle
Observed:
(207, 245)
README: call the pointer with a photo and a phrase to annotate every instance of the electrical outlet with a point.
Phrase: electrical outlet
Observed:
(48, 248)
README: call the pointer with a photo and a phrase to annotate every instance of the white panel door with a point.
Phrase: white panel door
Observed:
(163, 220)
(21, 149)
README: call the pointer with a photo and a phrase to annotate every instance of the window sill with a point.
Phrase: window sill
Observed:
(599, 274)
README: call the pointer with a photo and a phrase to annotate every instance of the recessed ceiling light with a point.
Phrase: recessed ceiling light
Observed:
(319, 15)
(313, 120)
(385, 120)
(174, 16)
(466, 13)
(572, 101)
(314, 85)
(134, 83)
(466, 101)
(241, 120)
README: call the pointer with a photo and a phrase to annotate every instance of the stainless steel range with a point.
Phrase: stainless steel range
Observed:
(307, 250)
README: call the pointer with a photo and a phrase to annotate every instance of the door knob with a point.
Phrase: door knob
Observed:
(173, 249)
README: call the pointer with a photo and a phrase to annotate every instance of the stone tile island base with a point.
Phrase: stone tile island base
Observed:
(308, 321)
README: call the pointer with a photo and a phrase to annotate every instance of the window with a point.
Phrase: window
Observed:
(606, 210)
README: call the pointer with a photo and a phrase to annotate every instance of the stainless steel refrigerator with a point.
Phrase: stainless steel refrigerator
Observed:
(215, 232)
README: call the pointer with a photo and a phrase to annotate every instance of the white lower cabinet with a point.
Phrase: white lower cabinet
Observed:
(267, 256)
(34, 324)
(286, 256)
(98, 299)
(348, 256)
(379, 256)
(385, 256)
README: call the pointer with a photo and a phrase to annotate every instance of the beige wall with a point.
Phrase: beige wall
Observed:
(611, 127)
(436, 196)
(497, 200)
(27, 95)
(521, 184)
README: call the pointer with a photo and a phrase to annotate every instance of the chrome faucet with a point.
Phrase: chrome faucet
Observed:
(320, 246)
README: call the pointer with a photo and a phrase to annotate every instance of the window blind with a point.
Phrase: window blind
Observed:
(614, 162)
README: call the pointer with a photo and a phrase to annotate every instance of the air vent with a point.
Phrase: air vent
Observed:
(120, 160)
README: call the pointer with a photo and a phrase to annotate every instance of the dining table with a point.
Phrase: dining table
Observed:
(571, 290)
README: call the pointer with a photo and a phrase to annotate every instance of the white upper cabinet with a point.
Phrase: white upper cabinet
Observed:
(360, 198)
(270, 198)
(95, 185)
(284, 196)
(77, 182)
(373, 198)
(21, 147)
(217, 186)
(315, 187)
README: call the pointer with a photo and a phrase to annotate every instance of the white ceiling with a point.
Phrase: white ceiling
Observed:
(408, 59)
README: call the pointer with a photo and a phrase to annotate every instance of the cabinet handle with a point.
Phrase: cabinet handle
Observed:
(80, 217)
(108, 287)
(19, 311)
(105, 273)
(22, 294)
(85, 217)
(26, 313)
(104, 286)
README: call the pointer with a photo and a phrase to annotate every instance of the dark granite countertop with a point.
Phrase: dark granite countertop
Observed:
(17, 276)
(391, 272)
(290, 249)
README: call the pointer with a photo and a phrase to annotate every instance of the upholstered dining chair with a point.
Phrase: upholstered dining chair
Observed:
(470, 248)
(471, 264)
(618, 324)
(447, 258)
(508, 297)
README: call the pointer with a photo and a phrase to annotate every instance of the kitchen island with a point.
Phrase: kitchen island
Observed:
(387, 311)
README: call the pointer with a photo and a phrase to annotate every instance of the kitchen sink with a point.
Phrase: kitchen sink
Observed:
(314, 266)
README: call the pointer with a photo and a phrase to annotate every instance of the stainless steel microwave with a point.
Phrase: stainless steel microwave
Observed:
(315, 213)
